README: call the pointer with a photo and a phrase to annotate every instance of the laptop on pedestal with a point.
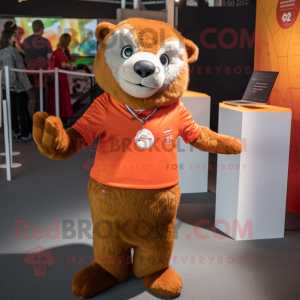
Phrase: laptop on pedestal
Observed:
(258, 89)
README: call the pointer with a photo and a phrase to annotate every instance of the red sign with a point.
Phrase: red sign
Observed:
(287, 12)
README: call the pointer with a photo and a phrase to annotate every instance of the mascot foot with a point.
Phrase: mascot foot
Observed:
(91, 280)
(166, 282)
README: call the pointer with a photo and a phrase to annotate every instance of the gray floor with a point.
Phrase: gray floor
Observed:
(42, 191)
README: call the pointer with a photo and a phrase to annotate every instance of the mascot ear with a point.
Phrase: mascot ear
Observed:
(191, 50)
(103, 29)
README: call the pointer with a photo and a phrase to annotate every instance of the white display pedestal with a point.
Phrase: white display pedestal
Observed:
(252, 186)
(192, 163)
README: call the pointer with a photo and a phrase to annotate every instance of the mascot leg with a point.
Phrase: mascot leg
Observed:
(112, 258)
(152, 255)
(117, 230)
(91, 280)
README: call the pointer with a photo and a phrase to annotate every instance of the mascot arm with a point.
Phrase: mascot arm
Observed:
(213, 142)
(52, 140)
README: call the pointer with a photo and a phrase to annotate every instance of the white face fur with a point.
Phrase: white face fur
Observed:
(142, 74)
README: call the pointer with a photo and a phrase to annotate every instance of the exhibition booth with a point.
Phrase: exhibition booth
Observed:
(168, 166)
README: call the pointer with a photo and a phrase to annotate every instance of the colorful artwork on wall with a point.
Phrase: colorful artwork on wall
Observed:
(82, 31)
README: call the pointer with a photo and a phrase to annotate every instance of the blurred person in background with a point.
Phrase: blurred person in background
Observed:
(61, 59)
(38, 51)
(19, 85)
(19, 33)
(10, 25)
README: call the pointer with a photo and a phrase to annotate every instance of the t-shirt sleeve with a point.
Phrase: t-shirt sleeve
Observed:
(92, 123)
(188, 128)
(49, 48)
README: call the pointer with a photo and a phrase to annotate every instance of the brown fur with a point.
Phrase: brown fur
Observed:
(130, 218)
(52, 140)
(139, 219)
(157, 282)
(213, 142)
(91, 280)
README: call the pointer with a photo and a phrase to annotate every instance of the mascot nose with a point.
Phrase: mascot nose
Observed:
(144, 68)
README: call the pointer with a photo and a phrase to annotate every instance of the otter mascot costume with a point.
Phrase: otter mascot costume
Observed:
(142, 65)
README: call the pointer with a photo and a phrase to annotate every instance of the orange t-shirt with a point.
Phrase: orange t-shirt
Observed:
(119, 162)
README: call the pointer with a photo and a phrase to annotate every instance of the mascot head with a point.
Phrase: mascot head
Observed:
(143, 63)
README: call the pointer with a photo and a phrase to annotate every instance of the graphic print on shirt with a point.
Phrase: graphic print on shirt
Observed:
(167, 135)
(144, 139)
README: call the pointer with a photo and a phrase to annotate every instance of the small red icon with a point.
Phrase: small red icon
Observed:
(167, 135)
(39, 258)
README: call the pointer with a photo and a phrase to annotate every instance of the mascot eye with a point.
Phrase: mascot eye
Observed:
(126, 52)
(164, 60)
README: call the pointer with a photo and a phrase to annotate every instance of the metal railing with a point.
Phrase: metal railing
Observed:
(9, 153)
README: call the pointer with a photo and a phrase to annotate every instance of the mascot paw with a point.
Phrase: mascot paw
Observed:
(237, 146)
(91, 280)
(166, 282)
(48, 133)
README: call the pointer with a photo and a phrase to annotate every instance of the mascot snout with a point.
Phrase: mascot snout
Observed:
(141, 75)
(144, 68)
